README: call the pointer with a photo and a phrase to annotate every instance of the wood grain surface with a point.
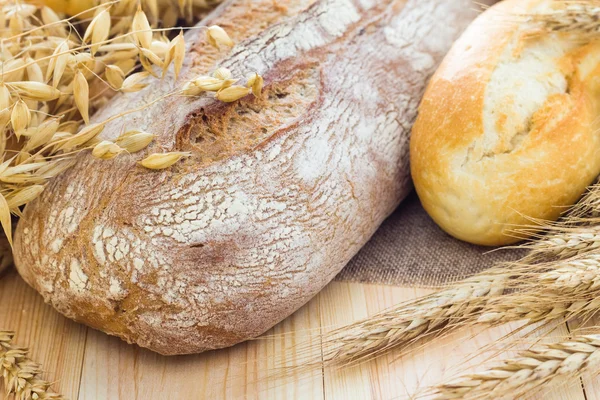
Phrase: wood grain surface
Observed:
(89, 365)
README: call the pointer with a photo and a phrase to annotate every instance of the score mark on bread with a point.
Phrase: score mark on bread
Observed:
(226, 129)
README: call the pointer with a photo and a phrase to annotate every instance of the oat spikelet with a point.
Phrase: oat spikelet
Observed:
(162, 160)
(142, 29)
(81, 94)
(22, 376)
(256, 83)
(20, 117)
(218, 37)
(233, 93)
(528, 371)
(98, 30)
(35, 90)
(134, 141)
(115, 76)
(57, 72)
(106, 150)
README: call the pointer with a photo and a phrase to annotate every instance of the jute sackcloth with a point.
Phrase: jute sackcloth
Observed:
(409, 249)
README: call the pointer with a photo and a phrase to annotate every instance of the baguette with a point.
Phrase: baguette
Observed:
(508, 127)
(279, 194)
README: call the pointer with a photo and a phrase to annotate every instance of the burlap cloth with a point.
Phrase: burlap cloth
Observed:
(409, 249)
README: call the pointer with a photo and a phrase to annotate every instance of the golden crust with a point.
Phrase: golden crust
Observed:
(480, 196)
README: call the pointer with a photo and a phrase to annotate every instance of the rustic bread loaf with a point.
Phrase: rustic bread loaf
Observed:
(508, 127)
(280, 191)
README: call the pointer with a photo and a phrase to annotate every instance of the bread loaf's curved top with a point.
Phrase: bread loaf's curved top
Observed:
(507, 128)
(280, 192)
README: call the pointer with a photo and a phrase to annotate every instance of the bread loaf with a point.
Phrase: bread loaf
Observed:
(279, 194)
(508, 127)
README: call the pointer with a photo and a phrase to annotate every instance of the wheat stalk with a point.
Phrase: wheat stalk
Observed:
(22, 375)
(578, 18)
(566, 285)
(528, 371)
(563, 289)
(404, 324)
(587, 210)
(562, 242)
(508, 292)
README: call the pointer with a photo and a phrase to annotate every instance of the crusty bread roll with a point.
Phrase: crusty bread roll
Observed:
(279, 194)
(508, 127)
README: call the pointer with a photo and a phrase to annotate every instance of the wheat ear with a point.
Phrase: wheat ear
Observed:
(22, 375)
(404, 324)
(510, 292)
(563, 289)
(528, 371)
(568, 284)
(580, 18)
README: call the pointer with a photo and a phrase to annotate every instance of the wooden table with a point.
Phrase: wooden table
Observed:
(90, 365)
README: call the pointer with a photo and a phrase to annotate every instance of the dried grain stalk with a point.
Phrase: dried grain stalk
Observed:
(581, 19)
(54, 77)
(561, 287)
(563, 264)
(21, 376)
(529, 371)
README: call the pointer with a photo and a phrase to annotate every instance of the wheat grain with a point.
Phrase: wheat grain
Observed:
(528, 371)
(561, 242)
(22, 377)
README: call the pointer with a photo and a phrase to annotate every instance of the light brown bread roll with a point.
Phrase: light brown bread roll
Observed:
(508, 127)
(279, 194)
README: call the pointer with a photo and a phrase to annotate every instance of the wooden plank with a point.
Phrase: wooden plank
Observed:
(54, 341)
(103, 367)
(410, 377)
(113, 369)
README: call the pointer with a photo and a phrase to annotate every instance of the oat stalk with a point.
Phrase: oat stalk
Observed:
(55, 72)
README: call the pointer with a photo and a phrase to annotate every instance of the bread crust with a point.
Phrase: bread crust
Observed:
(280, 191)
(478, 171)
